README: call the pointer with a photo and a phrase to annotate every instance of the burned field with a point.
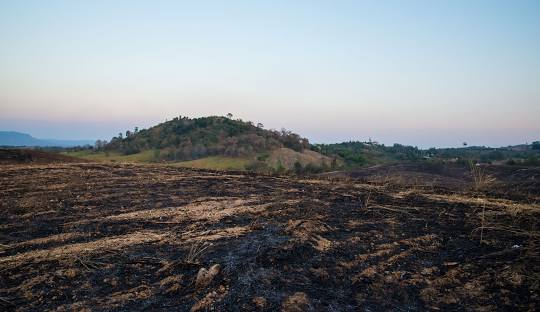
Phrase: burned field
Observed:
(11, 156)
(95, 237)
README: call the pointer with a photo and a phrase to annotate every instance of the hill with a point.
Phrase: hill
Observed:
(13, 138)
(214, 143)
(183, 138)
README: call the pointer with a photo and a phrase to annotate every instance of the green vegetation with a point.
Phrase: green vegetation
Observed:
(184, 139)
(218, 163)
(89, 154)
(220, 143)
(226, 143)
(525, 155)
(358, 154)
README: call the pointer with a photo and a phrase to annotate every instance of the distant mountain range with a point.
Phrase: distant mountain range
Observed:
(12, 138)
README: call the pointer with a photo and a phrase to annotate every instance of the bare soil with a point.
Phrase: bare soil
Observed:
(102, 237)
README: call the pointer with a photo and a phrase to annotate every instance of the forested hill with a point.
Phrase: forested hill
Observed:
(183, 138)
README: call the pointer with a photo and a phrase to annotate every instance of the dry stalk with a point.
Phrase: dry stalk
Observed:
(88, 264)
(483, 222)
(523, 233)
(366, 200)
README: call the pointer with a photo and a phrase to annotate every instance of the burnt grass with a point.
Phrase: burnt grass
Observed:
(120, 237)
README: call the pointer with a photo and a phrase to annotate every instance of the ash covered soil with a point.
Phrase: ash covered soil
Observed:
(100, 237)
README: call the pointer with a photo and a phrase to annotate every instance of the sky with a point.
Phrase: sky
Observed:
(423, 73)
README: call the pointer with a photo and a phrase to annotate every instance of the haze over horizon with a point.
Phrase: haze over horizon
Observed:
(420, 73)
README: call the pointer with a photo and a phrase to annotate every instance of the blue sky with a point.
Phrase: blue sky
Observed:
(426, 73)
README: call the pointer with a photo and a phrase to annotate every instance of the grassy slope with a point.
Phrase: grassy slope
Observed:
(218, 163)
(211, 162)
(286, 156)
(144, 156)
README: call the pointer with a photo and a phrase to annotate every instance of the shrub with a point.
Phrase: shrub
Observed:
(258, 166)
(531, 161)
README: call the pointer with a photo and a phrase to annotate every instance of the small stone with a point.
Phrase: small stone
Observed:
(70, 273)
(298, 302)
(260, 302)
(205, 277)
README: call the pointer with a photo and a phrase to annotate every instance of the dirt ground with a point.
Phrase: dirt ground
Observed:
(96, 237)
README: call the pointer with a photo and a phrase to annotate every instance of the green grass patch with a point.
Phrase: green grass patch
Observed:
(211, 162)
(217, 163)
(144, 156)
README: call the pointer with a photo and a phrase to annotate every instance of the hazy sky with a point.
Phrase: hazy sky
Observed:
(426, 73)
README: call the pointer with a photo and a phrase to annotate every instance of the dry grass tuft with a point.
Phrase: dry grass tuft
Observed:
(480, 178)
(366, 199)
(197, 250)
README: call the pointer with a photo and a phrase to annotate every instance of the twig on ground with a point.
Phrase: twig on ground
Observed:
(392, 209)
(87, 264)
(4, 300)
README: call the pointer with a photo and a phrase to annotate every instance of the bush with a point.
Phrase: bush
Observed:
(156, 155)
(280, 169)
(308, 169)
(531, 161)
(511, 162)
(298, 169)
(258, 166)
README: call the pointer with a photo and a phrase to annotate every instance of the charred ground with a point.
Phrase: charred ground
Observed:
(135, 237)
(27, 155)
